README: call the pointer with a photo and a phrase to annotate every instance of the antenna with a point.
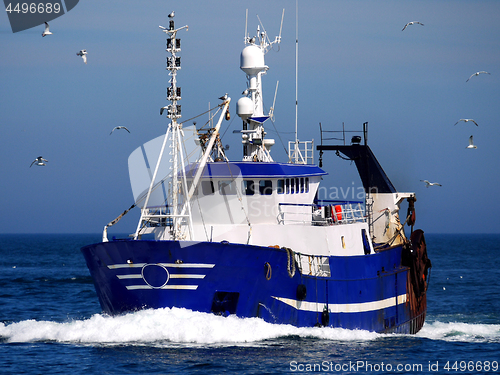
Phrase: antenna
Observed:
(246, 24)
(296, 65)
(265, 42)
(281, 26)
(265, 32)
(271, 112)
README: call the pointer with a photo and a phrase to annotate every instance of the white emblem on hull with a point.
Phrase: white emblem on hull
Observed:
(166, 284)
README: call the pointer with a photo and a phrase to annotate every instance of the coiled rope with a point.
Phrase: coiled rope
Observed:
(269, 271)
(290, 264)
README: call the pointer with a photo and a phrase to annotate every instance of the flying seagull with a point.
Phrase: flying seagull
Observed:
(412, 23)
(476, 74)
(162, 109)
(119, 127)
(171, 15)
(83, 54)
(427, 183)
(471, 143)
(46, 31)
(466, 120)
(39, 161)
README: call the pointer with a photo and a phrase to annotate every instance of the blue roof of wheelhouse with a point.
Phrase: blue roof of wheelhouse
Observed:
(252, 169)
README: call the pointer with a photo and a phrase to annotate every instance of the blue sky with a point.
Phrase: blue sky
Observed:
(355, 65)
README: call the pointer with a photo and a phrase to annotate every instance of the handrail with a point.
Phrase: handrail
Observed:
(346, 213)
(322, 202)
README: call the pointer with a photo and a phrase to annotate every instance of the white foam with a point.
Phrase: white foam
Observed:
(185, 327)
(457, 331)
(168, 326)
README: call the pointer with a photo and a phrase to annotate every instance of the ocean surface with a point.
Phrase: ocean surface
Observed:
(51, 323)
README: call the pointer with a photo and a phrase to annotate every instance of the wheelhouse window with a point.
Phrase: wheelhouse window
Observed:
(281, 187)
(266, 187)
(248, 187)
(207, 187)
(293, 185)
(189, 184)
(227, 187)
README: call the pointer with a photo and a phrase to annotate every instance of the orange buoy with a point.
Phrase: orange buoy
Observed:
(338, 211)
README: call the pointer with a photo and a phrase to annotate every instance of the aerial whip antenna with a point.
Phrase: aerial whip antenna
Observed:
(296, 66)
(281, 26)
(271, 112)
(246, 24)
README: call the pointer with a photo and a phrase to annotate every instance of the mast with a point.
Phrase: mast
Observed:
(174, 133)
(171, 209)
(174, 113)
(251, 106)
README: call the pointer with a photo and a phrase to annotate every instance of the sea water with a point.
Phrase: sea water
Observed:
(51, 323)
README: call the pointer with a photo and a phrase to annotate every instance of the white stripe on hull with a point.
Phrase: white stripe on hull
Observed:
(185, 287)
(173, 265)
(344, 307)
(172, 276)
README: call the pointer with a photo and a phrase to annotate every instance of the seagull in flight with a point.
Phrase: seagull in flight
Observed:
(427, 183)
(46, 31)
(39, 161)
(476, 74)
(171, 15)
(412, 23)
(466, 120)
(162, 109)
(83, 54)
(119, 127)
(471, 143)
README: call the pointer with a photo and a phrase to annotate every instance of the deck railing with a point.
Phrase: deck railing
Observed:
(328, 213)
(160, 216)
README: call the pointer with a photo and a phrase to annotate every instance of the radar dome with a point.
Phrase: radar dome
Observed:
(252, 60)
(244, 107)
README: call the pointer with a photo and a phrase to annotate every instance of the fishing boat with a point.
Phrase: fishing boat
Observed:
(252, 237)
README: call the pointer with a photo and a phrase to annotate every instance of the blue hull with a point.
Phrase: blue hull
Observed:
(371, 292)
